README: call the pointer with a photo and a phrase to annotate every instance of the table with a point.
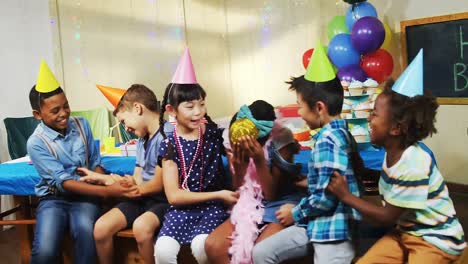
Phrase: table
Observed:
(20, 178)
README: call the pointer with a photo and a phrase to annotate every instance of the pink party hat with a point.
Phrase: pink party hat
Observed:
(184, 73)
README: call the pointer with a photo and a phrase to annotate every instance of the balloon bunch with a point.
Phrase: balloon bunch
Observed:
(358, 44)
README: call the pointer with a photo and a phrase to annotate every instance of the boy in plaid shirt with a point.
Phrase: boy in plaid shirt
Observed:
(319, 220)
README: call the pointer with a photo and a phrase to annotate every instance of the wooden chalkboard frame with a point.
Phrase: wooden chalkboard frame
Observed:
(431, 20)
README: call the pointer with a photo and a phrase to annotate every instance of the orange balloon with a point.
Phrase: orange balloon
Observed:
(112, 94)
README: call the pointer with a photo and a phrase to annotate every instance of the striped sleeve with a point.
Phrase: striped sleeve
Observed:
(408, 189)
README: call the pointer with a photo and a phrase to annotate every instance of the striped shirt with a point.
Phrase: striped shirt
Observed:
(415, 183)
(327, 218)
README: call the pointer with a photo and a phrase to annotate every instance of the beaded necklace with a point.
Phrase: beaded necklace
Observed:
(180, 152)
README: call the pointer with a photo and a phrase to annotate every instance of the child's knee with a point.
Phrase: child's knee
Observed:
(82, 232)
(102, 230)
(198, 248)
(215, 247)
(166, 250)
(260, 252)
(142, 230)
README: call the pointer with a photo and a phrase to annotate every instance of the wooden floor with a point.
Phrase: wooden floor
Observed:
(9, 243)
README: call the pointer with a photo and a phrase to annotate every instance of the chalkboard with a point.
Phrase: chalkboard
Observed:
(444, 40)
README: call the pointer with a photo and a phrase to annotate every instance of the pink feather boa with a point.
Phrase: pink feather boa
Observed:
(246, 215)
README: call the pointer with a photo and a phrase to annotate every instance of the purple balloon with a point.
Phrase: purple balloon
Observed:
(352, 72)
(367, 35)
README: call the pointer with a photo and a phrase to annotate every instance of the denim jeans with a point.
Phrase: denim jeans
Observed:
(56, 216)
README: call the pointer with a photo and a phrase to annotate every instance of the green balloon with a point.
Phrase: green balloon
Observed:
(337, 26)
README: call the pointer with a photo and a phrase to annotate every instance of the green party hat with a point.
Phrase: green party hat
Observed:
(320, 69)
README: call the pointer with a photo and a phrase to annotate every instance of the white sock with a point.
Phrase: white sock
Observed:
(198, 248)
(166, 250)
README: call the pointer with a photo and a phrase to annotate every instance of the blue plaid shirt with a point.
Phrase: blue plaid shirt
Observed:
(326, 217)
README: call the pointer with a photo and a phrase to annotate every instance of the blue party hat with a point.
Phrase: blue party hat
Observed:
(410, 82)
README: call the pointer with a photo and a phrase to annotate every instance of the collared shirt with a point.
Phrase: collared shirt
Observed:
(327, 218)
(70, 151)
(416, 184)
(147, 156)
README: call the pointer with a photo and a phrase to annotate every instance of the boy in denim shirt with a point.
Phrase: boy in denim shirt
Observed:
(58, 146)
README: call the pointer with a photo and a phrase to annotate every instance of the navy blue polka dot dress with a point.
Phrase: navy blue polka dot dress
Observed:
(183, 223)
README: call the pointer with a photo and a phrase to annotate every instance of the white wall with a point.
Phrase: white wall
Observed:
(242, 50)
(450, 144)
(25, 38)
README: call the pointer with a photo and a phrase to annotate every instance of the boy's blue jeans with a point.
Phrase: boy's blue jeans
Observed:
(57, 216)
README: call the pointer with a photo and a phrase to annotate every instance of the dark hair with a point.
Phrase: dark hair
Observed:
(261, 110)
(329, 92)
(138, 93)
(416, 115)
(175, 94)
(36, 99)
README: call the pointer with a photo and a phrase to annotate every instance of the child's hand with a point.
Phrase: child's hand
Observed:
(94, 178)
(118, 190)
(228, 197)
(252, 148)
(84, 171)
(127, 180)
(239, 160)
(338, 185)
(133, 192)
(284, 214)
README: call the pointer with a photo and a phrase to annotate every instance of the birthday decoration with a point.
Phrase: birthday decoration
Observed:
(337, 26)
(367, 35)
(378, 65)
(357, 11)
(358, 44)
(241, 128)
(320, 68)
(112, 94)
(46, 81)
(358, 49)
(351, 2)
(185, 74)
(341, 51)
(306, 57)
(410, 82)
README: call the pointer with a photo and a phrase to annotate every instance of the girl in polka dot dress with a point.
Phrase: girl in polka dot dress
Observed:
(193, 175)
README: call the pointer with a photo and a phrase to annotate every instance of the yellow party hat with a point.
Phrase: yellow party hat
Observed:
(320, 69)
(46, 81)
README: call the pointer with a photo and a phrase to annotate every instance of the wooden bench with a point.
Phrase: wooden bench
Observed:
(125, 247)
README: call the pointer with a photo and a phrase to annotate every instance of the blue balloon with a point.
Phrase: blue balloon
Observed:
(355, 12)
(341, 51)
